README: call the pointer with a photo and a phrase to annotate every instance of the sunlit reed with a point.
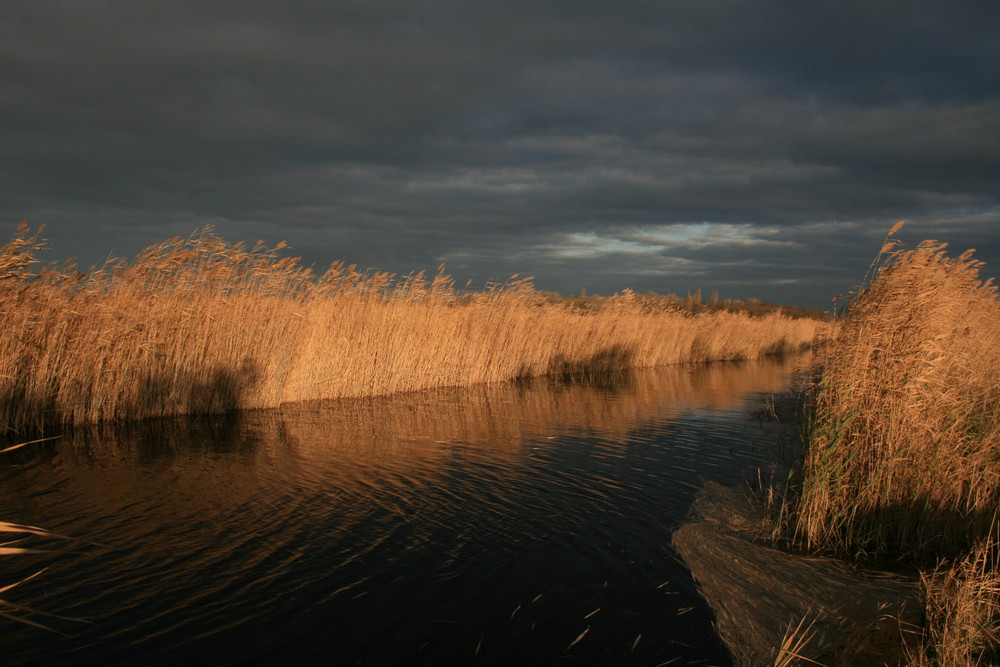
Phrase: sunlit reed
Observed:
(902, 456)
(199, 325)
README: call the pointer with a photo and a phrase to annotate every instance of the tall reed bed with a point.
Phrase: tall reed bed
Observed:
(903, 453)
(199, 325)
(903, 450)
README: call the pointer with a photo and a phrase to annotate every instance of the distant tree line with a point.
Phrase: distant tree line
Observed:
(693, 303)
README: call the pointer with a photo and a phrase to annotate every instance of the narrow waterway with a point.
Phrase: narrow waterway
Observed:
(525, 523)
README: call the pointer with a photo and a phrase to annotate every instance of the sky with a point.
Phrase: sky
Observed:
(758, 148)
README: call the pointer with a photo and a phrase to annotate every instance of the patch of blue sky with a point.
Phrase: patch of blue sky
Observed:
(589, 244)
(654, 238)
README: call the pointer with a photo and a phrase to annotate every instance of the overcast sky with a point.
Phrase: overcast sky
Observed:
(761, 148)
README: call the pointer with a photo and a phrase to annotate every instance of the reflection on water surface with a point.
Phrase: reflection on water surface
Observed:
(493, 524)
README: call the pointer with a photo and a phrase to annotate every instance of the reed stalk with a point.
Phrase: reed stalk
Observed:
(962, 607)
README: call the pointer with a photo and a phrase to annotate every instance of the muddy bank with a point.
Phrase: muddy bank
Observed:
(757, 592)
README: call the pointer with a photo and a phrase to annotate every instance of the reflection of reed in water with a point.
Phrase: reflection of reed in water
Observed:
(418, 427)
(263, 461)
(318, 506)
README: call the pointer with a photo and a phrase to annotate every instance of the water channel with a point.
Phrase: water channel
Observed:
(526, 523)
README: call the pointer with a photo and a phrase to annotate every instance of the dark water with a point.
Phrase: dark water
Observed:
(520, 524)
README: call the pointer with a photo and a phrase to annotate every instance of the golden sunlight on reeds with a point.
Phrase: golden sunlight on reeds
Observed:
(902, 457)
(199, 325)
(903, 453)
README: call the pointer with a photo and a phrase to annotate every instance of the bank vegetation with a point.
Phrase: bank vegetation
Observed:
(902, 465)
(201, 325)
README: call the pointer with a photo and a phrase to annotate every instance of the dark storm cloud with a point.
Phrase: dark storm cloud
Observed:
(751, 147)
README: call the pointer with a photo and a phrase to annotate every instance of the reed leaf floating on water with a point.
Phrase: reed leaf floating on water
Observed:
(14, 611)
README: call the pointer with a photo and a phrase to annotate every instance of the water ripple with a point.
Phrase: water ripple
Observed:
(483, 523)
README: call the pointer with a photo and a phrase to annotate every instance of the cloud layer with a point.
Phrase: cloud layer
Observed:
(743, 146)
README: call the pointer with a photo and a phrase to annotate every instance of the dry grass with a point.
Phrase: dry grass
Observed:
(794, 642)
(198, 325)
(963, 611)
(902, 455)
(774, 607)
(904, 444)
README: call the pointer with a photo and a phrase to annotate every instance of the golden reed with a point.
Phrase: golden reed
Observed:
(902, 456)
(903, 453)
(199, 325)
